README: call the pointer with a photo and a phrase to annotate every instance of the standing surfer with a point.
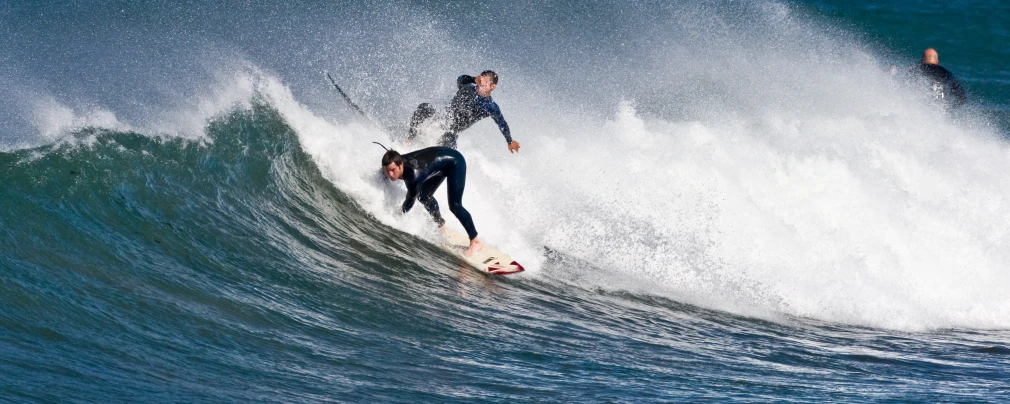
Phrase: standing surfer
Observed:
(471, 103)
(423, 172)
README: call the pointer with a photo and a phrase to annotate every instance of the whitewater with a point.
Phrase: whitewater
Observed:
(713, 202)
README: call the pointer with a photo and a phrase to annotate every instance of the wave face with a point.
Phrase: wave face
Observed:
(713, 202)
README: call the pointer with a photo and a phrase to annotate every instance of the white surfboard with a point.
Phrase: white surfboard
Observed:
(488, 259)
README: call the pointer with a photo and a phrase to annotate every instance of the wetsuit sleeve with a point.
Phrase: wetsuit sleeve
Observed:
(502, 125)
(409, 202)
(463, 81)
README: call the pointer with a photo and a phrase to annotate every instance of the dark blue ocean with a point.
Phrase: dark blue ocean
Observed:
(714, 201)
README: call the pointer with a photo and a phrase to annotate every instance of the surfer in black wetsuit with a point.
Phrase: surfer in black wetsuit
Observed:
(472, 103)
(941, 82)
(423, 172)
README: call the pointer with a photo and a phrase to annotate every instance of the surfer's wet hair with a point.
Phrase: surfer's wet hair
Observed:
(392, 156)
(491, 75)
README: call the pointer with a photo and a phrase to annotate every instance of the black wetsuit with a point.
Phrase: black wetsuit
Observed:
(942, 84)
(423, 172)
(465, 109)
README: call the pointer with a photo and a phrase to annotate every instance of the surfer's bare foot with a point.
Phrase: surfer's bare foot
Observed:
(475, 245)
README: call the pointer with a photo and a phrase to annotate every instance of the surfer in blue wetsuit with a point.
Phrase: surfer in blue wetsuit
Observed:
(472, 103)
(423, 172)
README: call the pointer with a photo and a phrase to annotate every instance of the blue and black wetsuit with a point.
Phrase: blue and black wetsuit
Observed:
(423, 172)
(465, 109)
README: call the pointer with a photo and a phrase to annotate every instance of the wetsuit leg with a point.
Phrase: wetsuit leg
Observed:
(423, 112)
(427, 199)
(448, 140)
(456, 183)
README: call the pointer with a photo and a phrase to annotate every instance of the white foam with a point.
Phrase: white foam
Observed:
(866, 229)
(861, 217)
(53, 119)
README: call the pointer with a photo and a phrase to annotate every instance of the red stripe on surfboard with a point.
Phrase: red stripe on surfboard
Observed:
(500, 270)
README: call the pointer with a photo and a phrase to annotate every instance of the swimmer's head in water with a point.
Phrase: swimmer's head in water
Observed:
(392, 165)
(930, 57)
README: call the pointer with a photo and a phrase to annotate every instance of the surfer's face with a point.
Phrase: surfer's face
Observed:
(484, 85)
(393, 171)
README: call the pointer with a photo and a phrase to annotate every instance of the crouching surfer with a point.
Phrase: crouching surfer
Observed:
(423, 171)
(472, 103)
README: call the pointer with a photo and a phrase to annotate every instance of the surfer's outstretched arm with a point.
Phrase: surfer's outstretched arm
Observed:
(409, 202)
(503, 126)
(485, 84)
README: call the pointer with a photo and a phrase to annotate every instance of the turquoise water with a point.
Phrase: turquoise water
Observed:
(968, 36)
(714, 202)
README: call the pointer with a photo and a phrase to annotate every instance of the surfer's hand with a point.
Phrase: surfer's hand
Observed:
(514, 147)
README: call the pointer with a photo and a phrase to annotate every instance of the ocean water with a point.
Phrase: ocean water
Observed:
(714, 201)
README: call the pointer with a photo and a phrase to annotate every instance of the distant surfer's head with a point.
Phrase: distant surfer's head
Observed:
(392, 165)
(930, 57)
(486, 82)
